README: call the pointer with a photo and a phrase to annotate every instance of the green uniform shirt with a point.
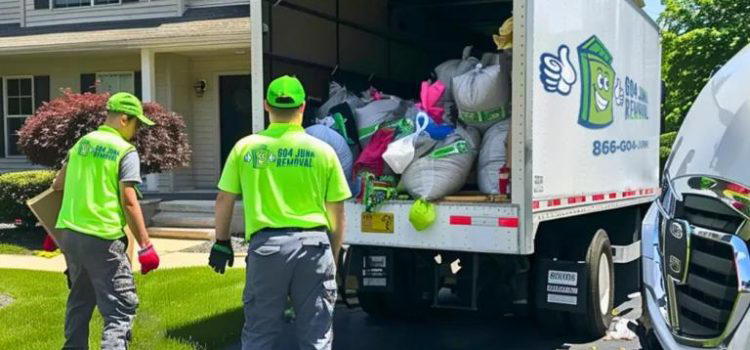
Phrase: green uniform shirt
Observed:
(91, 198)
(285, 177)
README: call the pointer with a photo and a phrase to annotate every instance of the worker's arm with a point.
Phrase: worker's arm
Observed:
(58, 184)
(224, 209)
(337, 220)
(133, 214)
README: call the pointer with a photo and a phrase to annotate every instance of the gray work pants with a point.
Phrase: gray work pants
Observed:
(298, 265)
(100, 275)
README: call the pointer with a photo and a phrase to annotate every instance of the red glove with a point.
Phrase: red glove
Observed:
(148, 258)
(49, 244)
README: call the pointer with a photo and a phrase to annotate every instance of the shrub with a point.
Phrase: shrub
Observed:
(16, 188)
(47, 136)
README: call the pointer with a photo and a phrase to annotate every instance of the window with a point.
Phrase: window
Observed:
(19, 105)
(115, 82)
(44, 4)
(71, 3)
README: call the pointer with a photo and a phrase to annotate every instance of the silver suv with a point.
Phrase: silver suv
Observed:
(696, 262)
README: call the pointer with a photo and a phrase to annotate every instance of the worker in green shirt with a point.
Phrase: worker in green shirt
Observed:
(100, 197)
(292, 188)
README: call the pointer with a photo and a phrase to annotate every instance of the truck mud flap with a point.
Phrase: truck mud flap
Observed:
(561, 286)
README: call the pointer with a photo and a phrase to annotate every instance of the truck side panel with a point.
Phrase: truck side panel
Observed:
(596, 91)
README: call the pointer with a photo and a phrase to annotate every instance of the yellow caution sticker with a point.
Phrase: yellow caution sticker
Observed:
(377, 222)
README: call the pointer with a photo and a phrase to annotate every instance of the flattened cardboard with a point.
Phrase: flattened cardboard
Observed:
(46, 208)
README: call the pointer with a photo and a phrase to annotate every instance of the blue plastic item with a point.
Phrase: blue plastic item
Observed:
(439, 131)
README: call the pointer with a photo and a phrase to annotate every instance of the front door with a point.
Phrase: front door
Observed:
(235, 111)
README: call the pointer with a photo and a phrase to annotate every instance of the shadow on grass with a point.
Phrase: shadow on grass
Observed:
(216, 332)
(23, 238)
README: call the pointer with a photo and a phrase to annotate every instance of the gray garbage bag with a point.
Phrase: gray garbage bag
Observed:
(338, 94)
(339, 145)
(371, 116)
(490, 58)
(450, 69)
(492, 157)
(482, 95)
(445, 169)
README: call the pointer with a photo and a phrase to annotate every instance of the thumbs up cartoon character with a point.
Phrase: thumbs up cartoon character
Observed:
(557, 73)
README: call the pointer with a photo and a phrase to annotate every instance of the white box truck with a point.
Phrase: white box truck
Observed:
(585, 124)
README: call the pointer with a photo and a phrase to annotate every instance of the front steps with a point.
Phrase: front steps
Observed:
(191, 219)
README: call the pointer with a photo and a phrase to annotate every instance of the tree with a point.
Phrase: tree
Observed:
(47, 135)
(698, 36)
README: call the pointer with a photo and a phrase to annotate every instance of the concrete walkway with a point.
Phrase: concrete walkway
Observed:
(168, 249)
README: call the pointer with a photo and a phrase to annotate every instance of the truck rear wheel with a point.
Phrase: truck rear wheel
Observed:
(601, 288)
(594, 316)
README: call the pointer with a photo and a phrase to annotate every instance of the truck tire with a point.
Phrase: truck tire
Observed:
(600, 293)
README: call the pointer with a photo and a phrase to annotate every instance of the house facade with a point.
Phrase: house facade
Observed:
(191, 56)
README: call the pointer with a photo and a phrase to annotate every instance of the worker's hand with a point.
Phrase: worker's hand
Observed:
(221, 254)
(148, 258)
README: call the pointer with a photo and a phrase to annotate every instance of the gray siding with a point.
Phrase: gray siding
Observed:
(10, 11)
(102, 13)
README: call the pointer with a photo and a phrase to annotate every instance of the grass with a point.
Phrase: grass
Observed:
(190, 308)
(18, 240)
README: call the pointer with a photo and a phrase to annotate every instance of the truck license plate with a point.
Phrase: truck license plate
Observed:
(377, 222)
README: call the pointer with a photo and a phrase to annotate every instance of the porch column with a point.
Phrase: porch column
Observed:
(256, 63)
(148, 91)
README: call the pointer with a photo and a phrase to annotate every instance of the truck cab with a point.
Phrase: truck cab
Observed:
(696, 262)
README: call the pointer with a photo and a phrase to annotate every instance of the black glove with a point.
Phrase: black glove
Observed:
(221, 254)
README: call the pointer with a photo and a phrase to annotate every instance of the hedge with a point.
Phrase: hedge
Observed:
(16, 188)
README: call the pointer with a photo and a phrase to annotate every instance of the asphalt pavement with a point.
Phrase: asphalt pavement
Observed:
(453, 330)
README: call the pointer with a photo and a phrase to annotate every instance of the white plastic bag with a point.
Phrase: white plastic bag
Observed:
(400, 153)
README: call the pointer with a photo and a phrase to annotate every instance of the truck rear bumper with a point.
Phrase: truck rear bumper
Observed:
(478, 228)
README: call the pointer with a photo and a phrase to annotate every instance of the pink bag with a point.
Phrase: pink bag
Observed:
(430, 97)
(371, 157)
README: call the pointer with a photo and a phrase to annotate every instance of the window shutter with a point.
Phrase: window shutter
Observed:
(41, 4)
(2, 120)
(41, 90)
(138, 85)
(88, 83)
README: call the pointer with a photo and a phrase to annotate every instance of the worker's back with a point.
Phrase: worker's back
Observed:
(285, 177)
(91, 200)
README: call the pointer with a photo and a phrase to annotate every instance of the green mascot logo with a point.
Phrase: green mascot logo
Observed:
(597, 84)
(261, 157)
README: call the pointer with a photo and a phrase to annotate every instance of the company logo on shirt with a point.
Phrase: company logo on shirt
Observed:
(262, 157)
(85, 149)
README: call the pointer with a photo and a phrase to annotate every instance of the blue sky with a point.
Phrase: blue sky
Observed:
(654, 8)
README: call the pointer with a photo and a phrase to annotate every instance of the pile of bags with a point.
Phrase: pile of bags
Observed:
(429, 148)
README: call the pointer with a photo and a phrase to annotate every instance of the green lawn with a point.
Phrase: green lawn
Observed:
(191, 308)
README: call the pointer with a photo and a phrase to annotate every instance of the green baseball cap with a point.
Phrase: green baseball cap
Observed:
(285, 92)
(123, 102)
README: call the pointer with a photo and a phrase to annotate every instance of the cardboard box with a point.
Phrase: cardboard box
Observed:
(46, 208)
